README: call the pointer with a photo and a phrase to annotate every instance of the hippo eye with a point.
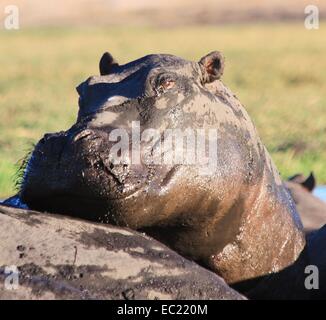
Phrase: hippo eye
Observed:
(164, 83)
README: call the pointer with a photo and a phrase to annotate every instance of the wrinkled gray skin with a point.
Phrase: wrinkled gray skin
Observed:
(311, 209)
(240, 221)
(64, 258)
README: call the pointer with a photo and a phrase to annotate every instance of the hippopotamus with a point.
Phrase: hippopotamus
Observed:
(224, 207)
(311, 209)
(232, 214)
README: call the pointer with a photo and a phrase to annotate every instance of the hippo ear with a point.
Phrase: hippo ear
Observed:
(212, 66)
(310, 182)
(107, 62)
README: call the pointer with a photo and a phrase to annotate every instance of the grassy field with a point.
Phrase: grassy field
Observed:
(277, 71)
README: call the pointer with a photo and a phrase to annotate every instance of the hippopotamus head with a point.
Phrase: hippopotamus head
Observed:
(139, 106)
(160, 144)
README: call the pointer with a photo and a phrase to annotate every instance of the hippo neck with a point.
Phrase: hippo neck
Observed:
(270, 237)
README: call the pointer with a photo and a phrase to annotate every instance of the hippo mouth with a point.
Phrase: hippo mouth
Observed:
(79, 203)
(81, 206)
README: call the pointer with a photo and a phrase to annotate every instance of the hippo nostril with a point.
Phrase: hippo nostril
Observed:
(82, 135)
(117, 168)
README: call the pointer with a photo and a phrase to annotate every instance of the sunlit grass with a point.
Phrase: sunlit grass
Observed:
(277, 71)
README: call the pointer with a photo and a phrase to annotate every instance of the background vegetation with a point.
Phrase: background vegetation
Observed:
(277, 71)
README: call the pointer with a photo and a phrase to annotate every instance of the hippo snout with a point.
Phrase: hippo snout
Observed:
(69, 166)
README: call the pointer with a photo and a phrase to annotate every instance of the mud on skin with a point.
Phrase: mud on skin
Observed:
(66, 258)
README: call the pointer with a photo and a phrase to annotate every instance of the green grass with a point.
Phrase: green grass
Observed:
(277, 71)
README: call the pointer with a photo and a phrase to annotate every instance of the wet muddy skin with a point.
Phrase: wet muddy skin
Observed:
(239, 221)
(64, 258)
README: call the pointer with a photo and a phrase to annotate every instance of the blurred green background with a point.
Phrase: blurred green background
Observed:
(277, 71)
